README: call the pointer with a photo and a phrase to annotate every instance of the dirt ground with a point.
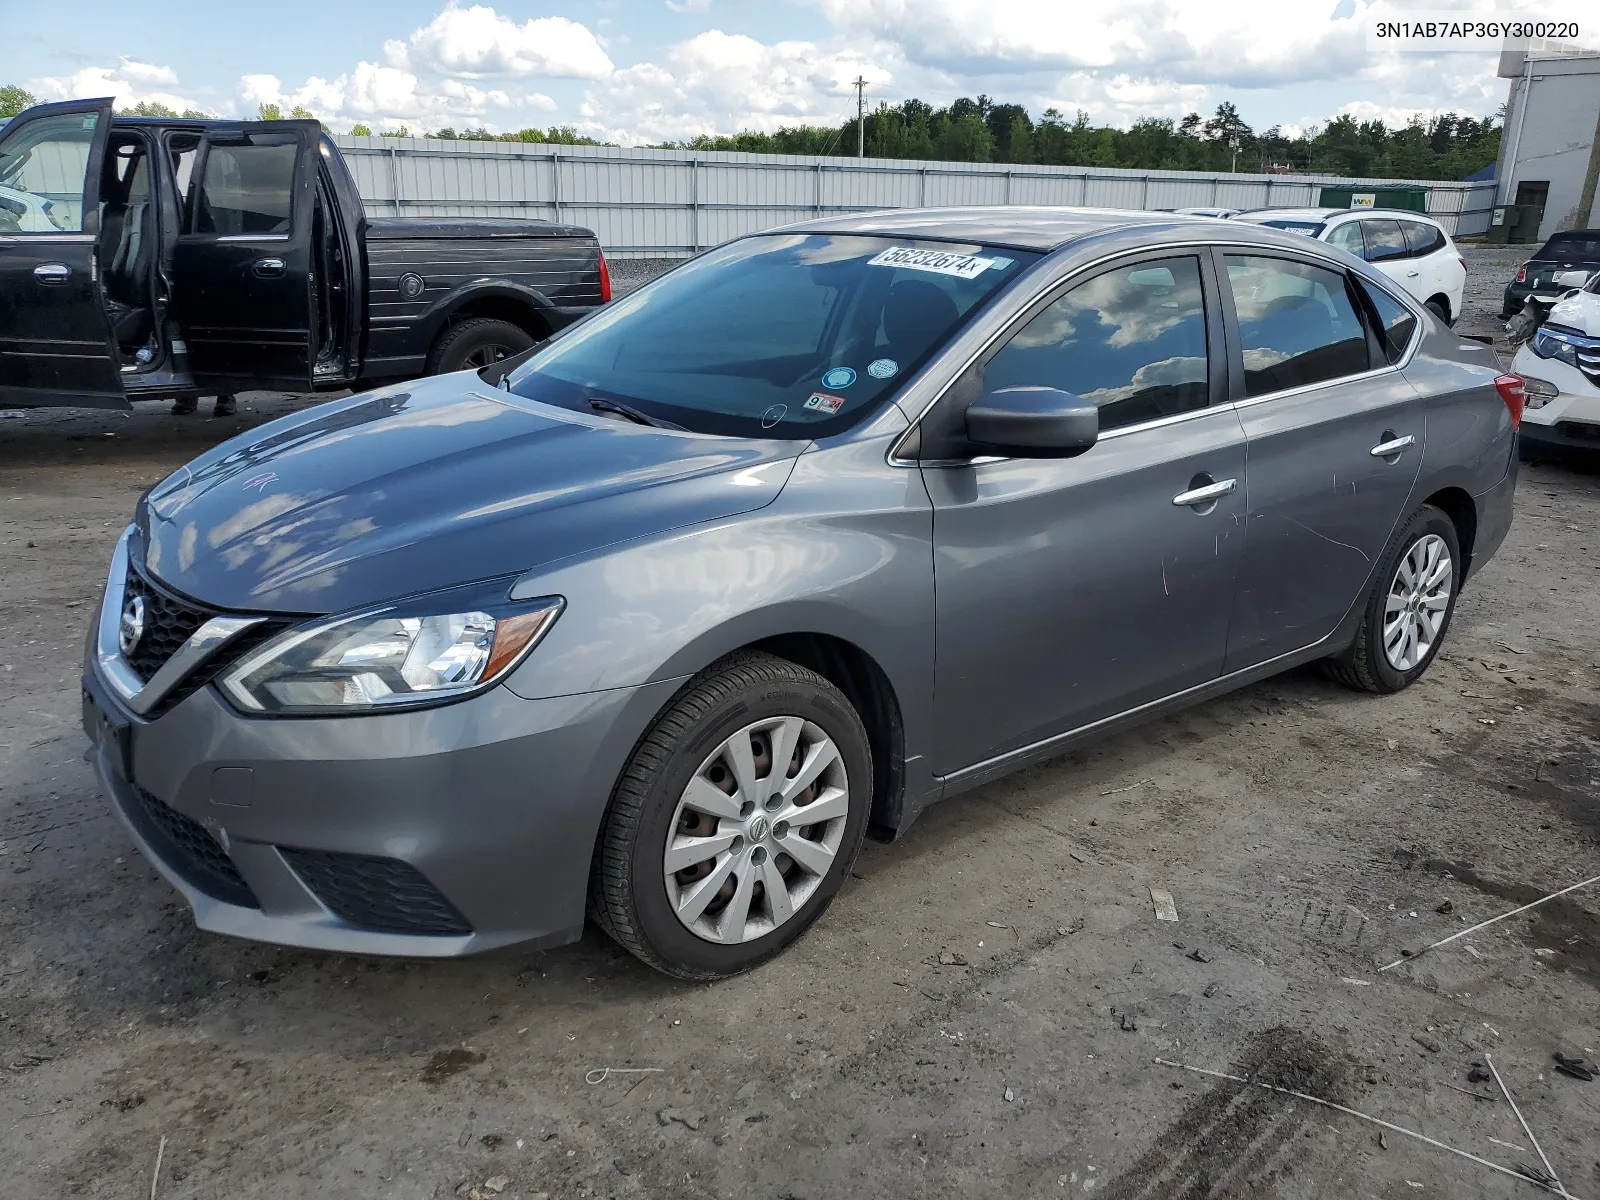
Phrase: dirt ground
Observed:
(980, 1013)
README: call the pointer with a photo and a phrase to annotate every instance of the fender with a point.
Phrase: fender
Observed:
(433, 319)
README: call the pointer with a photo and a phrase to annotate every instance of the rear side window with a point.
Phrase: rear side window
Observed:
(1348, 237)
(1422, 239)
(246, 188)
(1132, 341)
(1297, 324)
(1396, 324)
(1385, 241)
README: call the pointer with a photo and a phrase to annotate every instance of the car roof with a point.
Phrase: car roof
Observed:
(1025, 227)
(1257, 215)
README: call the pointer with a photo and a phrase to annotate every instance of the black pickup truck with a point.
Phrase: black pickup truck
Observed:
(143, 258)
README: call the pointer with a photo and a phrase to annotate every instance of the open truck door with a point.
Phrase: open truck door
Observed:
(55, 336)
(242, 278)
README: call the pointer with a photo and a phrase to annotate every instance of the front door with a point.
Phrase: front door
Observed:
(242, 269)
(55, 337)
(1336, 438)
(1071, 590)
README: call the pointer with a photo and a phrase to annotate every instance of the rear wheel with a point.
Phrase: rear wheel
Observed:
(474, 343)
(1408, 609)
(1440, 309)
(735, 820)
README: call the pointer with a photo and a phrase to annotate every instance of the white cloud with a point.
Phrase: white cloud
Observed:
(383, 97)
(130, 82)
(719, 82)
(689, 6)
(478, 41)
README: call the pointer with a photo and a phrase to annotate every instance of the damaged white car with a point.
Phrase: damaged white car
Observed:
(1560, 365)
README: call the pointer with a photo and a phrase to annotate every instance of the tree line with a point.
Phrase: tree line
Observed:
(1451, 146)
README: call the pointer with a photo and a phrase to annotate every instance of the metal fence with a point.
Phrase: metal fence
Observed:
(669, 203)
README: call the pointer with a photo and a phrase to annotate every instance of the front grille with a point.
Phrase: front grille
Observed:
(189, 849)
(1581, 430)
(170, 620)
(376, 893)
(168, 623)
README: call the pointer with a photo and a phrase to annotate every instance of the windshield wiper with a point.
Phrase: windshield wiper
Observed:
(622, 410)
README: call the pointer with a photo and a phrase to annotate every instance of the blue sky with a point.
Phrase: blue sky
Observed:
(647, 70)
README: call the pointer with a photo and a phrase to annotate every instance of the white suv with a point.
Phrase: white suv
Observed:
(1411, 249)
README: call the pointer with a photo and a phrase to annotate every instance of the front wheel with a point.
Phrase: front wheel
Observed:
(1408, 609)
(735, 820)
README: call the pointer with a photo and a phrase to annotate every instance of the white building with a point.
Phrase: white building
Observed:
(1550, 150)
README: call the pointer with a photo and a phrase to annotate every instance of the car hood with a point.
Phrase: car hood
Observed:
(1580, 312)
(445, 481)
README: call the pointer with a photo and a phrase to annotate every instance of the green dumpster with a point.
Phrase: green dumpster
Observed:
(1413, 198)
(1514, 223)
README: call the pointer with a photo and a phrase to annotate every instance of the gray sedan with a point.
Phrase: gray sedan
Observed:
(822, 527)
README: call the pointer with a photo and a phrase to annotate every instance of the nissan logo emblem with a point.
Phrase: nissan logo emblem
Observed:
(131, 628)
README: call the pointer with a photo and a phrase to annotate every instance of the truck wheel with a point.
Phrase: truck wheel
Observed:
(474, 343)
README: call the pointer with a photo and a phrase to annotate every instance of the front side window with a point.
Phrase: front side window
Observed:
(1297, 323)
(247, 187)
(43, 168)
(1396, 324)
(777, 335)
(1131, 341)
(1385, 240)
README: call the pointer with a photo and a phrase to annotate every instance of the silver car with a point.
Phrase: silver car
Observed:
(824, 526)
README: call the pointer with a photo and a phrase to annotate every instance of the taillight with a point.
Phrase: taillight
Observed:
(1515, 393)
(1522, 273)
(605, 280)
(1462, 261)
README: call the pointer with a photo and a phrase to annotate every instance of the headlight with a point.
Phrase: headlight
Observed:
(1548, 345)
(421, 651)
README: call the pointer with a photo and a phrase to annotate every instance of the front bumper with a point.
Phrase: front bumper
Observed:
(487, 809)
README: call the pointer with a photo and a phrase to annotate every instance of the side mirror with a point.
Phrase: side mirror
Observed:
(1032, 422)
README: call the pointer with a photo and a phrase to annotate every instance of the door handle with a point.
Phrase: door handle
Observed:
(1210, 494)
(267, 268)
(50, 273)
(1393, 447)
(1412, 274)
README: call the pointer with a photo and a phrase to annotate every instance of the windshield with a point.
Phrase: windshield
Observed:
(1572, 247)
(779, 335)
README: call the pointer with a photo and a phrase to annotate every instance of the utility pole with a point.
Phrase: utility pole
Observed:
(861, 117)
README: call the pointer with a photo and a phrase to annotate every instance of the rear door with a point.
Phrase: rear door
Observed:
(1335, 436)
(1387, 250)
(55, 337)
(242, 270)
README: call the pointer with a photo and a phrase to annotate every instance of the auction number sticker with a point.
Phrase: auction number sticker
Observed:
(822, 402)
(939, 262)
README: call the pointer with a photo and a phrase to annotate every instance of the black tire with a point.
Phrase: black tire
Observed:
(628, 891)
(1364, 666)
(1440, 309)
(476, 342)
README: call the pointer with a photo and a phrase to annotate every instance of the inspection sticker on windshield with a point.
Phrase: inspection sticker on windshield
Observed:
(822, 402)
(963, 266)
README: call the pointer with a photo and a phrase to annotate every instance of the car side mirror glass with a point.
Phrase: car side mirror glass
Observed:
(1032, 422)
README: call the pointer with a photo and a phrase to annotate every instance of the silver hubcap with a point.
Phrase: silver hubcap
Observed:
(1419, 597)
(756, 830)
